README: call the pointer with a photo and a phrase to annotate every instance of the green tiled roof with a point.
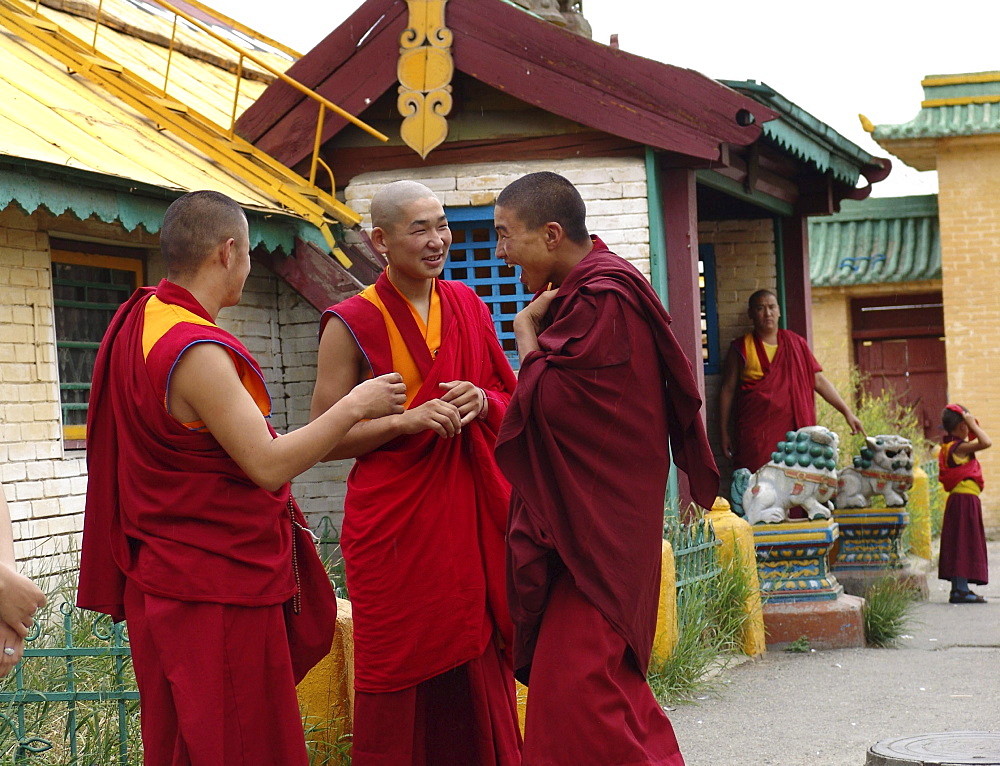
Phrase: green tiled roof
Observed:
(953, 105)
(806, 137)
(893, 239)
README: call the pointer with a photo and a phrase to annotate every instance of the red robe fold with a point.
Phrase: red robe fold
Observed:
(585, 447)
(205, 552)
(423, 534)
(766, 409)
(950, 473)
(166, 506)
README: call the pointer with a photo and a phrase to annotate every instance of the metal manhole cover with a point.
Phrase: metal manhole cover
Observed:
(952, 748)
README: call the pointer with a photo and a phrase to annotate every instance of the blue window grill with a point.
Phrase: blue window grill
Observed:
(473, 261)
(711, 354)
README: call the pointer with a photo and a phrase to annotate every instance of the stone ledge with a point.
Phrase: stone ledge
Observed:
(833, 624)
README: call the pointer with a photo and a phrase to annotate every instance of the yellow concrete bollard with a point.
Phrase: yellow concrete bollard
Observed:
(737, 542)
(665, 639)
(326, 694)
(919, 508)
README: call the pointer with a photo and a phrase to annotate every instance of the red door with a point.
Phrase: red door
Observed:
(899, 346)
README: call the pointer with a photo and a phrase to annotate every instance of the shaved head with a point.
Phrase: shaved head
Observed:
(758, 296)
(538, 198)
(194, 225)
(389, 202)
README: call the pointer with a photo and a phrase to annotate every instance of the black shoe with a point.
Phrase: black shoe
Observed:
(965, 597)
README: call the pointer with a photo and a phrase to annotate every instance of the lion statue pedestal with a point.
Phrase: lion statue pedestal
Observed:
(870, 546)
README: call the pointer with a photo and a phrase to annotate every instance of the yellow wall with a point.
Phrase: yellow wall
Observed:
(969, 182)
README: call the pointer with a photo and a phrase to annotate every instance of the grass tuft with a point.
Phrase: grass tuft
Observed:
(711, 615)
(888, 612)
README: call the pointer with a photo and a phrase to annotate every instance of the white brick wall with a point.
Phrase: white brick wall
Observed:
(44, 485)
(614, 190)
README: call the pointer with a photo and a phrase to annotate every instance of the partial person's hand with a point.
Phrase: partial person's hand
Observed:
(970, 419)
(727, 445)
(20, 598)
(467, 397)
(855, 424)
(11, 648)
(534, 312)
(437, 415)
(384, 395)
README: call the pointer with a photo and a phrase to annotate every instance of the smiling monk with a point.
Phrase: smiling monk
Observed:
(426, 507)
(603, 384)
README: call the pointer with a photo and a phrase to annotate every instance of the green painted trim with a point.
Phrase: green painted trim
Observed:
(779, 269)
(657, 239)
(733, 188)
(33, 185)
(660, 280)
(806, 136)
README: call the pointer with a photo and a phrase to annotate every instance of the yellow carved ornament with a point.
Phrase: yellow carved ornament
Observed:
(424, 71)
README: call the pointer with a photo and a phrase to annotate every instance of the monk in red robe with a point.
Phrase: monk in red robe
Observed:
(188, 530)
(603, 383)
(767, 387)
(426, 507)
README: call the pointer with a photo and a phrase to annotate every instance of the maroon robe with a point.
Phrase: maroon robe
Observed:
(963, 537)
(423, 544)
(766, 409)
(585, 446)
(172, 515)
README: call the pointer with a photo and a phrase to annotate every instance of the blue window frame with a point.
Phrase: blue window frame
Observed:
(473, 260)
(710, 352)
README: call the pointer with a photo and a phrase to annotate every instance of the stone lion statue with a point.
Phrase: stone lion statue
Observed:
(884, 467)
(802, 472)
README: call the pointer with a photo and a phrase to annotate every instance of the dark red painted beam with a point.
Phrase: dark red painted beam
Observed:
(794, 234)
(313, 274)
(316, 67)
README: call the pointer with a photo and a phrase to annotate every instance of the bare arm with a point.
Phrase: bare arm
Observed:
(826, 389)
(339, 367)
(19, 597)
(978, 441)
(727, 394)
(206, 384)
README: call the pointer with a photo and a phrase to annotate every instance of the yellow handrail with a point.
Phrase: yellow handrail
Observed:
(276, 72)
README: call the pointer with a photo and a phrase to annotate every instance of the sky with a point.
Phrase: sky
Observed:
(834, 60)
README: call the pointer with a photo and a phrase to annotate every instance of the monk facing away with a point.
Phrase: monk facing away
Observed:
(603, 387)
(426, 507)
(767, 388)
(188, 530)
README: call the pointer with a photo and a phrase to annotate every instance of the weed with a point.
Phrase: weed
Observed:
(711, 615)
(800, 645)
(887, 612)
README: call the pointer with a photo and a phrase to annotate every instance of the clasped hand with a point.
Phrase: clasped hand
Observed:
(458, 406)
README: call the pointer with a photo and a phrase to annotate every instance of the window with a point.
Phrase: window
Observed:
(709, 314)
(473, 261)
(87, 289)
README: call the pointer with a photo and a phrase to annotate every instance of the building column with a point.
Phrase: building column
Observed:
(793, 249)
(680, 228)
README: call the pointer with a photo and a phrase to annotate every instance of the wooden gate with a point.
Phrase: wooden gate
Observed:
(899, 346)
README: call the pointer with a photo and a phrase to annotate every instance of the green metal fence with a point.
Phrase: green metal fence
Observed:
(937, 496)
(73, 697)
(694, 551)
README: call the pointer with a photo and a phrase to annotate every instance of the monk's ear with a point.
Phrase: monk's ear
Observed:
(379, 240)
(226, 252)
(554, 234)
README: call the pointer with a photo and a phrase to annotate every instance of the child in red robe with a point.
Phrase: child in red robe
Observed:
(963, 539)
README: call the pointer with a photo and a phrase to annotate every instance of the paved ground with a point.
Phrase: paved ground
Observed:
(827, 708)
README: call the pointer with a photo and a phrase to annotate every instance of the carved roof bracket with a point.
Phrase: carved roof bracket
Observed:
(424, 71)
